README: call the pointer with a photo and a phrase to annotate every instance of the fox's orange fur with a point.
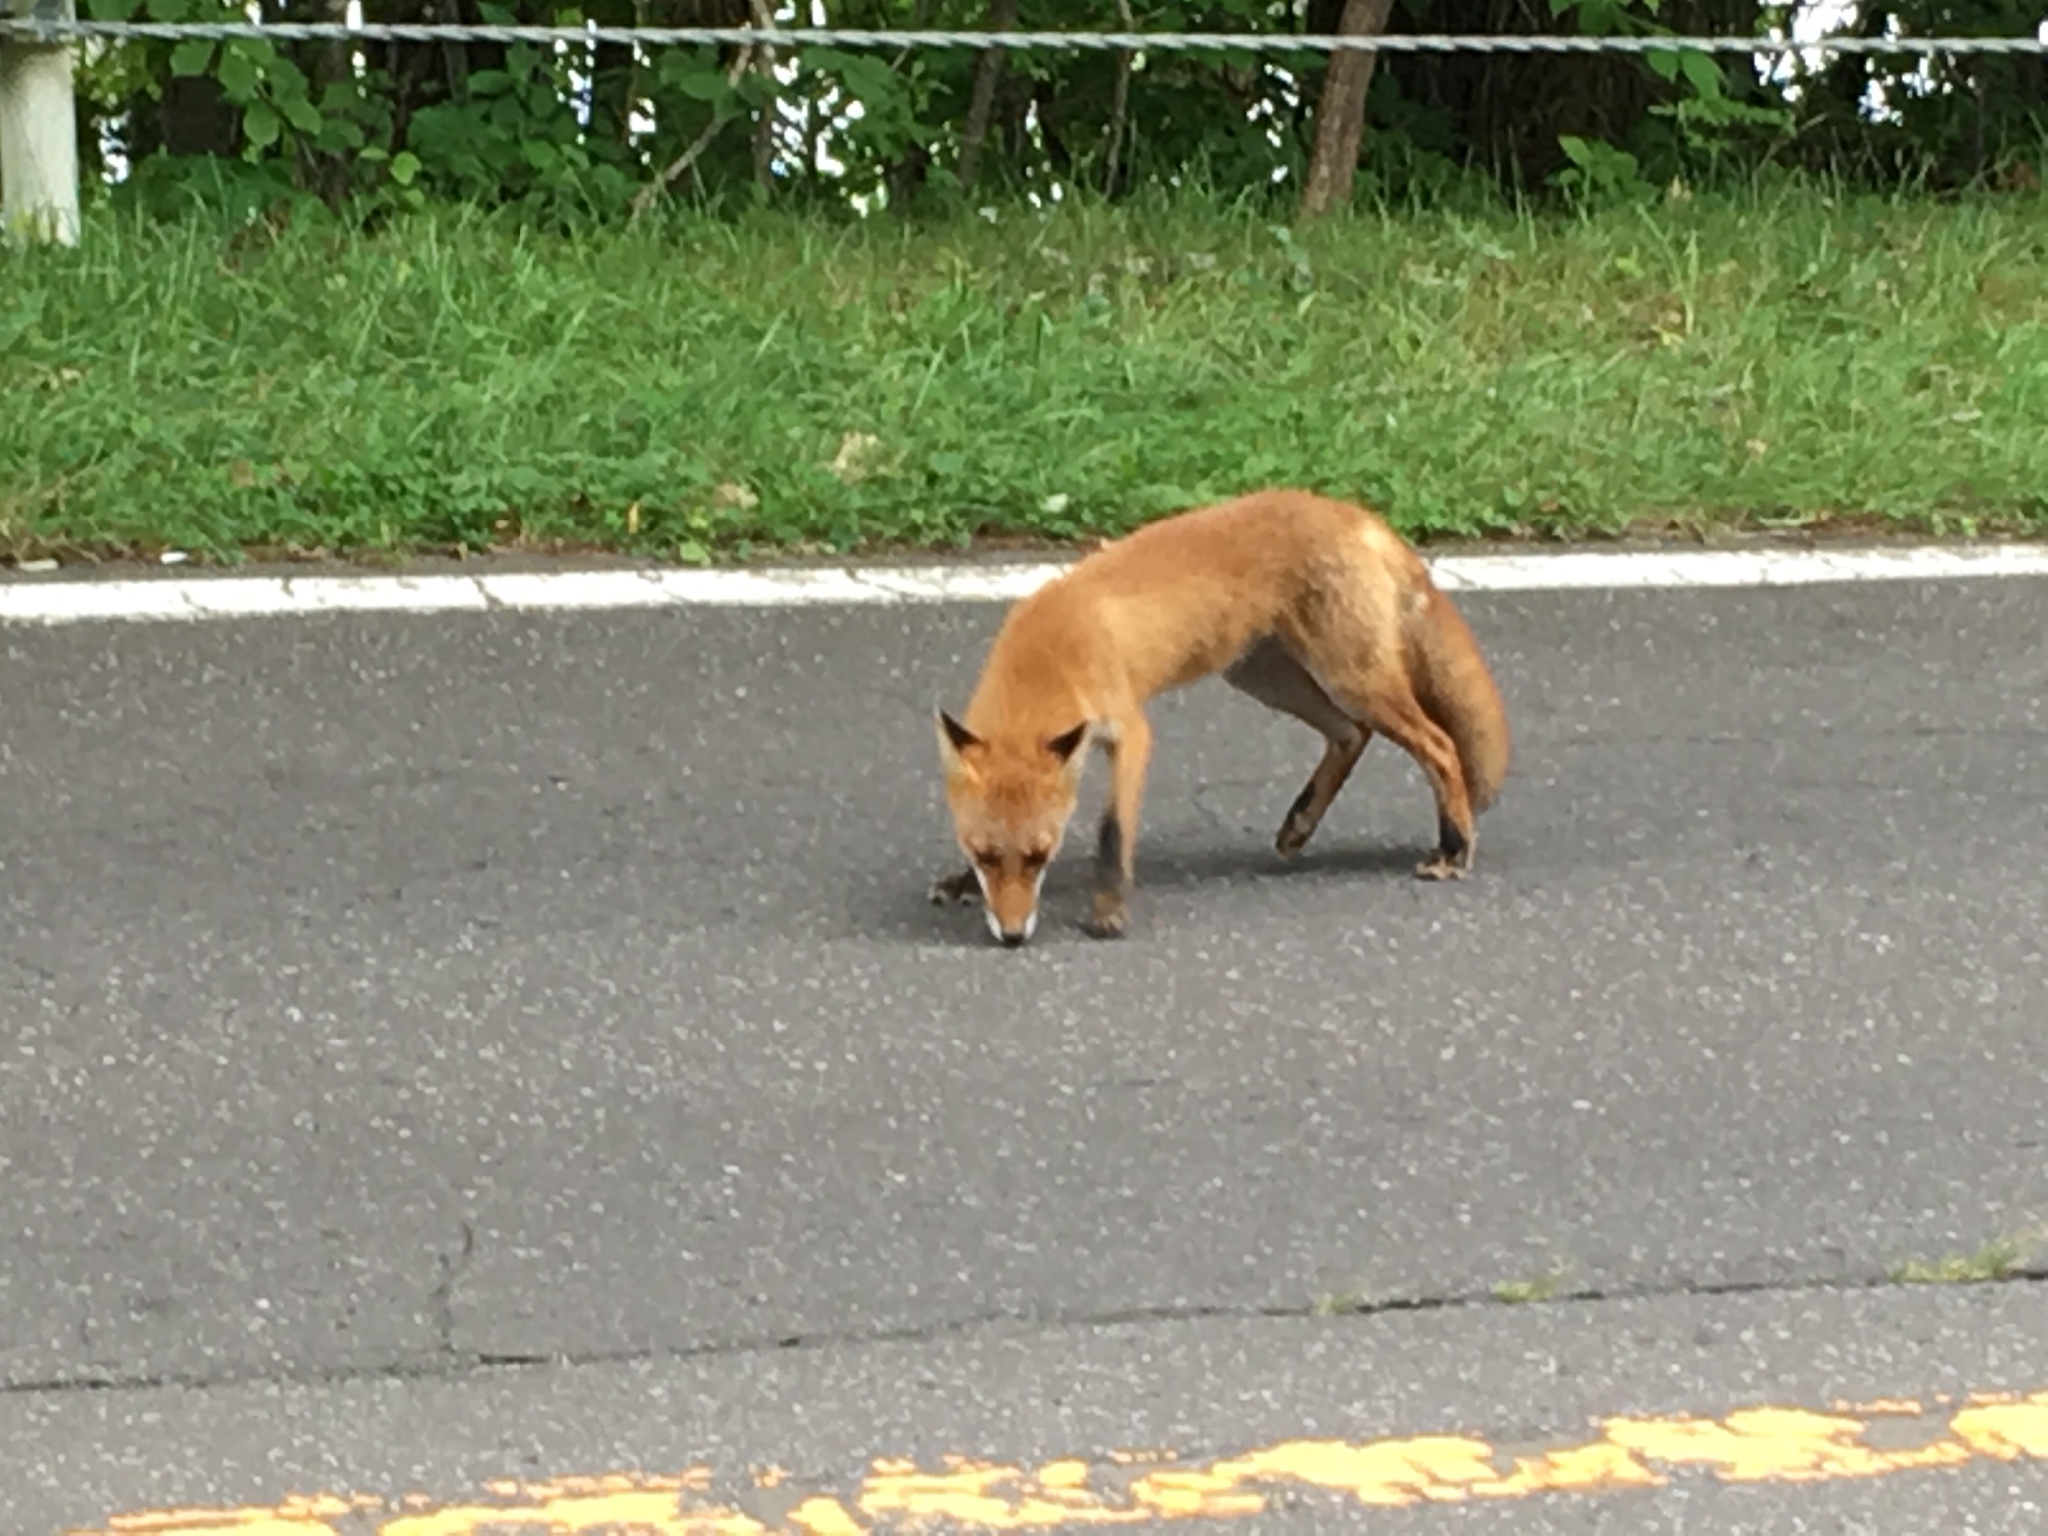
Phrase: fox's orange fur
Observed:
(1314, 607)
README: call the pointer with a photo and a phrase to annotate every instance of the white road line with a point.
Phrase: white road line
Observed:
(63, 599)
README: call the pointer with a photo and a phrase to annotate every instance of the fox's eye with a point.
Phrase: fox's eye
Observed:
(1034, 861)
(987, 859)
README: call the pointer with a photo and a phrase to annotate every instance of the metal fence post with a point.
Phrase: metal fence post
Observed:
(38, 130)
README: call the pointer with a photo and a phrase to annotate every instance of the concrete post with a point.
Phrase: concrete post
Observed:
(38, 131)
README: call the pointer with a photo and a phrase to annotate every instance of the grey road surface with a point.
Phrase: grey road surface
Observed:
(438, 1049)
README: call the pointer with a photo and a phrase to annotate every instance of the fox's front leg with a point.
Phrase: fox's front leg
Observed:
(956, 889)
(1116, 845)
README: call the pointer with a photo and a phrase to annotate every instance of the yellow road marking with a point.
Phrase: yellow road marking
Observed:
(1761, 1444)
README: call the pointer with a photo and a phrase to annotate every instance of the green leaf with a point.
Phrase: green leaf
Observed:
(261, 124)
(404, 166)
(286, 78)
(1702, 73)
(301, 113)
(192, 56)
(238, 74)
(703, 85)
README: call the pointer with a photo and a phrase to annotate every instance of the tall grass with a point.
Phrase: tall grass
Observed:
(703, 389)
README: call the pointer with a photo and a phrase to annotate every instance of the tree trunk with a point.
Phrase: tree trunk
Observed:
(1119, 106)
(195, 117)
(765, 123)
(325, 64)
(1340, 112)
(1002, 16)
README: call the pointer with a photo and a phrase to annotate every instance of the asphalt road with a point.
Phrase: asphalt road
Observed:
(442, 1049)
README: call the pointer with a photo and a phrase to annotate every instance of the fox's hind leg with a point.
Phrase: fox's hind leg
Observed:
(1270, 675)
(1387, 703)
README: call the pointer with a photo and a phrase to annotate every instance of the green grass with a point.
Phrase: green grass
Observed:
(682, 389)
(1999, 1259)
(1339, 1303)
(1544, 1287)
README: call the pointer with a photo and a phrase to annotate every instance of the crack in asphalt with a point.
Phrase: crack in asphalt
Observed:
(450, 1364)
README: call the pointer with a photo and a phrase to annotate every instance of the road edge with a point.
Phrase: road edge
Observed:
(54, 600)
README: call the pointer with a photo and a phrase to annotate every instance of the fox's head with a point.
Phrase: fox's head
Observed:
(1011, 801)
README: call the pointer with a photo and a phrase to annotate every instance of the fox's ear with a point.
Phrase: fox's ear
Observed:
(1065, 746)
(954, 738)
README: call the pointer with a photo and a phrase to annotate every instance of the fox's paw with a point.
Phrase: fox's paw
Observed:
(955, 890)
(1109, 919)
(1453, 855)
(1292, 837)
(1444, 866)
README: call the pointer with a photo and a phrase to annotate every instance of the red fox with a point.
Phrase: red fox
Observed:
(1314, 607)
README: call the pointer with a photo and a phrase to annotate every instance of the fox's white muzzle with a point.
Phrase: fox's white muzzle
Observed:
(1009, 938)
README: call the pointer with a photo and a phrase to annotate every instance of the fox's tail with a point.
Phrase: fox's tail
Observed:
(1454, 687)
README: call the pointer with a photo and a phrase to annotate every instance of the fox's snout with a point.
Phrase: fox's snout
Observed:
(1011, 908)
(1012, 938)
